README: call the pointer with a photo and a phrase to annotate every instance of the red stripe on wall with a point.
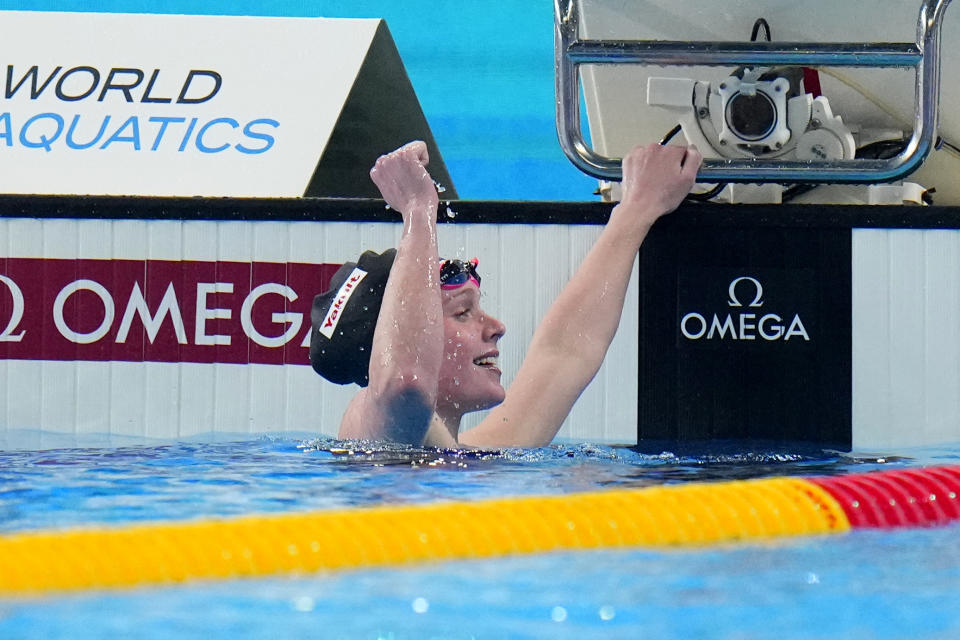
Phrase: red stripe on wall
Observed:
(158, 310)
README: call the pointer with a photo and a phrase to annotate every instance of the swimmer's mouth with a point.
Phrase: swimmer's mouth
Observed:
(488, 360)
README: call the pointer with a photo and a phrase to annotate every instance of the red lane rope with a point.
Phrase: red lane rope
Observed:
(901, 498)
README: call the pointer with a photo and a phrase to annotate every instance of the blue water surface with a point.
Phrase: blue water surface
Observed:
(866, 584)
(63, 487)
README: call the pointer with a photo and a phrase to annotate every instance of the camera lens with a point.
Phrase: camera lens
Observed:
(751, 117)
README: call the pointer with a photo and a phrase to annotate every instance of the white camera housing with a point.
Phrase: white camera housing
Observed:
(751, 114)
(769, 124)
(751, 118)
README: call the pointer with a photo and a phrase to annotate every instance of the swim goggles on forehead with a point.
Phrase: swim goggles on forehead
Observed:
(456, 273)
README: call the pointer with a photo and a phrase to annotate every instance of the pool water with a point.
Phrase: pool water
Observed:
(866, 584)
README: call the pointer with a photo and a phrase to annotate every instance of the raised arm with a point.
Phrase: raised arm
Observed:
(408, 341)
(570, 344)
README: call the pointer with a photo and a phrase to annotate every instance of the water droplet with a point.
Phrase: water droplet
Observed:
(420, 605)
(607, 612)
(451, 213)
(304, 603)
(558, 614)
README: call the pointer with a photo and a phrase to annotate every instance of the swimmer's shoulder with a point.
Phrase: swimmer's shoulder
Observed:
(361, 421)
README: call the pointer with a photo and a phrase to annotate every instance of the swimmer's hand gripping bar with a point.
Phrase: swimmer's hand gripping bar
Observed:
(923, 55)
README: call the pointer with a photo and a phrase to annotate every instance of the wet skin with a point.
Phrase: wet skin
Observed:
(469, 372)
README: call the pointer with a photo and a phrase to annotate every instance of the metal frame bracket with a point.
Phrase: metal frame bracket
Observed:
(923, 55)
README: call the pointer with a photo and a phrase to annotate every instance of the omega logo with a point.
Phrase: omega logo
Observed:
(744, 325)
(10, 333)
(732, 291)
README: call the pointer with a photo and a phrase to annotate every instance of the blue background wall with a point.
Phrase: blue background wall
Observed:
(483, 72)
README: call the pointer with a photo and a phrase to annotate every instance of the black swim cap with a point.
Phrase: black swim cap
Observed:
(345, 316)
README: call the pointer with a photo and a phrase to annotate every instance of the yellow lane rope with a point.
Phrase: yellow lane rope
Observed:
(296, 543)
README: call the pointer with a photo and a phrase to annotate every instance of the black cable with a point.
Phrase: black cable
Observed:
(942, 142)
(706, 196)
(670, 135)
(881, 149)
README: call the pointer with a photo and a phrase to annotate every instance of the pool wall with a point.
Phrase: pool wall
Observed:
(214, 364)
(865, 296)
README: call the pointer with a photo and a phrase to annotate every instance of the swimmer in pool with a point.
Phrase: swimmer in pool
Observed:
(408, 327)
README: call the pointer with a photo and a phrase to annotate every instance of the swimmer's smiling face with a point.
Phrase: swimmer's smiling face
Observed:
(470, 372)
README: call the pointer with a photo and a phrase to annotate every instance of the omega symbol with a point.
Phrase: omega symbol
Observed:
(758, 298)
(16, 315)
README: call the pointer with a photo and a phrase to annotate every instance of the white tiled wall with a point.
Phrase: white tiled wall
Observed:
(906, 337)
(524, 267)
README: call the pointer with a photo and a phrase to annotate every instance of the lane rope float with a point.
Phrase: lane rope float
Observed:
(692, 514)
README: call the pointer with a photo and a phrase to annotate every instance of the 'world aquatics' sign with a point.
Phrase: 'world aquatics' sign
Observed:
(243, 107)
